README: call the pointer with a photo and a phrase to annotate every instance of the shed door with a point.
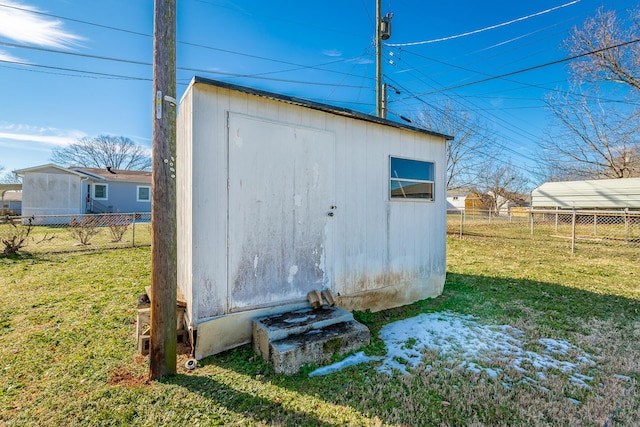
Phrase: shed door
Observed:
(281, 191)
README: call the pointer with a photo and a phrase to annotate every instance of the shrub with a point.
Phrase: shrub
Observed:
(85, 229)
(14, 236)
(118, 225)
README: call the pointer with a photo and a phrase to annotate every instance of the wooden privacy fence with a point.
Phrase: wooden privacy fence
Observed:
(67, 233)
(607, 227)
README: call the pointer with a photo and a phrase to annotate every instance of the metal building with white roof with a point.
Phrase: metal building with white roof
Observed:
(591, 194)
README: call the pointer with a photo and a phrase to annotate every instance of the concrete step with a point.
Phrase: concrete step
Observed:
(273, 328)
(290, 340)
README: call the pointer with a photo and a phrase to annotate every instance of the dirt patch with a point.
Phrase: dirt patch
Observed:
(123, 377)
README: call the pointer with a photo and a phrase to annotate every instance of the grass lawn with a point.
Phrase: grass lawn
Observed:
(68, 353)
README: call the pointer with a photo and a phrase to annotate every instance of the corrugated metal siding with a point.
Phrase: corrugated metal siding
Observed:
(604, 193)
(184, 194)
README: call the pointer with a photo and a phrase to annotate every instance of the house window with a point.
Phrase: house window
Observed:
(144, 193)
(411, 179)
(100, 192)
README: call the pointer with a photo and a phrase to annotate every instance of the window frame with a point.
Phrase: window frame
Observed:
(413, 180)
(106, 191)
(138, 199)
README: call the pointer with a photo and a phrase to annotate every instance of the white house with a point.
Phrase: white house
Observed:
(278, 196)
(591, 194)
(55, 190)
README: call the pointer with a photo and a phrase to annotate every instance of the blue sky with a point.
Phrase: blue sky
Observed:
(72, 68)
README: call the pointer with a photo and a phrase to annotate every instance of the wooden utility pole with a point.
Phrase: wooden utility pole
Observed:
(163, 345)
(378, 58)
(383, 32)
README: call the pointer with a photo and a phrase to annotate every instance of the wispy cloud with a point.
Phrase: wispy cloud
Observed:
(361, 61)
(4, 56)
(19, 134)
(19, 23)
(334, 53)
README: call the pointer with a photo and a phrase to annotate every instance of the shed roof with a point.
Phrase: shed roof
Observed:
(315, 106)
(601, 193)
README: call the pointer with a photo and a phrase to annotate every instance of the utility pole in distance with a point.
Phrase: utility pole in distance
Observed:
(163, 345)
(383, 32)
(378, 58)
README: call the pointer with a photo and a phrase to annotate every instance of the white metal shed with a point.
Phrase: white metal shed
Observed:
(591, 194)
(279, 196)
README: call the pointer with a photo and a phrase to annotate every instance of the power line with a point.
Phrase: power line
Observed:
(500, 145)
(535, 67)
(196, 70)
(109, 27)
(37, 12)
(83, 55)
(91, 73)
(520, 83)
(493, 118)
(491, 27)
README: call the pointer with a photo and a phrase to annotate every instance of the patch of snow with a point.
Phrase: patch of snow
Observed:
(352, 360)
(460, 339)
(580, 380)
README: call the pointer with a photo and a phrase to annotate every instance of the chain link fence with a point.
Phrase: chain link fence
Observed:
(67, 233)
(619, 228)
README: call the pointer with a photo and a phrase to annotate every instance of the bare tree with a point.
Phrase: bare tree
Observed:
(591, 139)
(104, 151)
(597, 35)
(500, 184)
(8, 177)
(471, 148)
(592, 136)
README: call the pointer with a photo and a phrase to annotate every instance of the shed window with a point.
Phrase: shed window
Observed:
(144, 193)
(100, 192)
(411, 179)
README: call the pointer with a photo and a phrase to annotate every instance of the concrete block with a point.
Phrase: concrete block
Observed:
(317, 345)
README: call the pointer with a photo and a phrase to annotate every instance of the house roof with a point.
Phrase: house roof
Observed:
(49, 166)
(116, 175)
(94, 173)
(315, 106)
(460, 192)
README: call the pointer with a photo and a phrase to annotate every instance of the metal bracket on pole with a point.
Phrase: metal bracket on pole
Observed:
(159, 99)
(159, 104)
